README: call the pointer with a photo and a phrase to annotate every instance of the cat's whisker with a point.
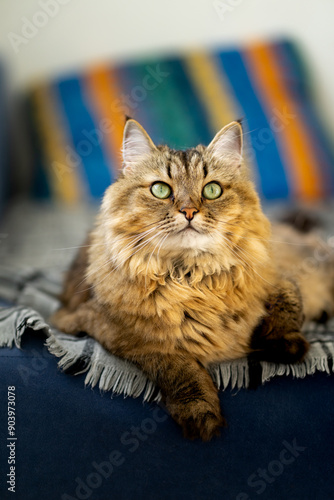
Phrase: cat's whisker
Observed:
(74, 248)
(126, 237)
(246, 264)
(250, 131)
(140, 247)
(87, 275)
(134, 243)
(248, 255)
(123, 262)
(98, 244)
(109, 261)
(139, 237)
(164, 236)
(152, 223)
(82, 246)
(148, 263)
(245, 252)
(252, 267)
(264, 239)
(149, 260)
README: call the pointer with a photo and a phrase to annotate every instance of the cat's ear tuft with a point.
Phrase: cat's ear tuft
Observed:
(136, 145)
(227, 145)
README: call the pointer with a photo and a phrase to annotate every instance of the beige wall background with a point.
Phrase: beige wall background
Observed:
(42, 38)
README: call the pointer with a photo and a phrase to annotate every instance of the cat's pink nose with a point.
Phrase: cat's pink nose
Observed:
(188, 212)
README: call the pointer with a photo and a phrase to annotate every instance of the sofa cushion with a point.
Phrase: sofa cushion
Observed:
(4, 177)
(78, 120)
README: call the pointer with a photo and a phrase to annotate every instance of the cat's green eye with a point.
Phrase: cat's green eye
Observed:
(212, 191)
(161, 190)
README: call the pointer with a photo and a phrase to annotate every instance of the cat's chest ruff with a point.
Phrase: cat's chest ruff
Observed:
(208, 296)
(212, 319)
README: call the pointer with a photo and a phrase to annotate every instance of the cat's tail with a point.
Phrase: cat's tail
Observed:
(301, 220)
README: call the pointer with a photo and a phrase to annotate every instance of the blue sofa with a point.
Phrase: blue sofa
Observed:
(75, 443)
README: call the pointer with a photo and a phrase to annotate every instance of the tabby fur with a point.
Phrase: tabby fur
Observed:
(176, 284)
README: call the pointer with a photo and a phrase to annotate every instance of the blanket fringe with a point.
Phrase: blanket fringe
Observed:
(118, 376)
(110, 373)
(300, 370)
(233, 373)
(68, 357)
(15, 321)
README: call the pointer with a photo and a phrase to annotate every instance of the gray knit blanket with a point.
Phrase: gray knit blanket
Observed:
(30, 297)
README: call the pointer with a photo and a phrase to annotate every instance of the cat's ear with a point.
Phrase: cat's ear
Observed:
(227, 145)
(137, 144)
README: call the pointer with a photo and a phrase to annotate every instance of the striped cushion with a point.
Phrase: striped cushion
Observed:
(4, 148)
(78, 121)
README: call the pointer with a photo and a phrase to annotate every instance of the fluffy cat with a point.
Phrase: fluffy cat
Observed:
(180, 272)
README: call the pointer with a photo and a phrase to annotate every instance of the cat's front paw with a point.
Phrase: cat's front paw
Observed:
(294, 348)
(204, 426)
(289, 348)
(65, 321)
(198, 419)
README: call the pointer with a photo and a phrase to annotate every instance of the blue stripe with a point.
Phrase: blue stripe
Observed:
(298, 83)
(164, 103)
(191, 102)
(182, 129)
(41, 184)
(138, 103)
(96, 165)
(272, 175)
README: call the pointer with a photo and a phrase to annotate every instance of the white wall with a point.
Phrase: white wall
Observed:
(85, 31)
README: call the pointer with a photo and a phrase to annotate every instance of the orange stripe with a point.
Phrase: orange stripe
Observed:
(104, 93)
(213, 90)
(293, 139)
(63, 176)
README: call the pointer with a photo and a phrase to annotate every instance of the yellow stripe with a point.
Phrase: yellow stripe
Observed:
(211, 86)
(293, 139)
(214, 92)
(63, 175)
